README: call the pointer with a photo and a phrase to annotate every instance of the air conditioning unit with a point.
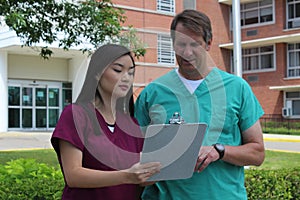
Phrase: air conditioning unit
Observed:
(296, 23)
(287, 111)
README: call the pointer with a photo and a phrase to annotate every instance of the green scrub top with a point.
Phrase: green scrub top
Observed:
(223, 101)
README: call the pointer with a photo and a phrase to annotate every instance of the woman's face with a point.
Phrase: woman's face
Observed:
(117, 78)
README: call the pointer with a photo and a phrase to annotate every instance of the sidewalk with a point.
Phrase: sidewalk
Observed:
(281, 138)
(282, 143)
(10, 141)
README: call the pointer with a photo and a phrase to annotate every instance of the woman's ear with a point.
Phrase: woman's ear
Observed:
(208, 45)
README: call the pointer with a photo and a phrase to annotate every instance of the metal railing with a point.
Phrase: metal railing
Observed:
(278, 124)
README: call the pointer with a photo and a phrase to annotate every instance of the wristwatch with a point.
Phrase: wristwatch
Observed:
(220, 149)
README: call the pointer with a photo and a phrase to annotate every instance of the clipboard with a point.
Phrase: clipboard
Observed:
(175, 146)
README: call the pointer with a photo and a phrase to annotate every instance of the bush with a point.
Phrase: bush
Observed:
(25, 179)
(282, 131)
(273, 184)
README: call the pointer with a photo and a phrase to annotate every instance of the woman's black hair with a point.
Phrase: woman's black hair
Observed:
(103, 57)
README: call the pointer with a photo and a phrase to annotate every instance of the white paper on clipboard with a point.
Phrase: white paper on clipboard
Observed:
(175, 146)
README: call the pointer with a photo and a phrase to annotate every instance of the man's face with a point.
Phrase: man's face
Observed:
(190, 49)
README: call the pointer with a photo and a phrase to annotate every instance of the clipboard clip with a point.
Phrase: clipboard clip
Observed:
(176, 119)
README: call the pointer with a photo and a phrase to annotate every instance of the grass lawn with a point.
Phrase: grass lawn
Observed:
(273, 160)
(278, 160)
(47, 156)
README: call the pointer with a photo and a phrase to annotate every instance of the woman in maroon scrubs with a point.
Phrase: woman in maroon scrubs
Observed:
(97, 140)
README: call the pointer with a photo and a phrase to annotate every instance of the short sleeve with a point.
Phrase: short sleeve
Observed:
(251, 109)
(141, 109)
(70, 127)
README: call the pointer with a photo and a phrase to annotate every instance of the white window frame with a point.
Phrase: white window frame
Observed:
(292, 22)
(165, 52)
(257, 8)
(259, 55)
(293, 71)
(166, 6)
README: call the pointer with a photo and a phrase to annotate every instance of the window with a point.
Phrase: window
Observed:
(293, 69)
(165, 53)
(258, 59)
(166, 6)
(257, 12)
(292, 103)
(189, 4)
(66, 94)
(293, 13)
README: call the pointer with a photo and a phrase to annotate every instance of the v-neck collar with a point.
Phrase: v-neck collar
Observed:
(103, 124)
(181, 86)
(189, 83)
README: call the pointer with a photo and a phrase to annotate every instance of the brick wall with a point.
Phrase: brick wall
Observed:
(142, 15)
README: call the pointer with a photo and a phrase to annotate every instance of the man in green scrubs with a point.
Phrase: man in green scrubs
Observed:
(200, 92)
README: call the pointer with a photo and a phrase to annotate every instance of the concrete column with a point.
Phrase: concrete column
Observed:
(77, 72)
(3, 92)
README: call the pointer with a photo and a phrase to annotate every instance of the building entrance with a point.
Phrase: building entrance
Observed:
(33, 105)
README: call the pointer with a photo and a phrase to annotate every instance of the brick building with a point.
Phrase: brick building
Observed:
(35, 91)
(270, 34)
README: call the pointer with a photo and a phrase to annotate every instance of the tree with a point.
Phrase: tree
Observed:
(70, 23)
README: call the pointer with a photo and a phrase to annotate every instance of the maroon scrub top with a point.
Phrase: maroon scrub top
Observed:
(101, 149)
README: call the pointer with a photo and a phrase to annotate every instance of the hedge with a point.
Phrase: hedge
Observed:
(273, 184)
(25, 179)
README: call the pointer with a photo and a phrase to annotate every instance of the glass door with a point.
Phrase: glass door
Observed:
(14, 118)
(34, 106)
(53, 106)
(41, 107)
(27, 107)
